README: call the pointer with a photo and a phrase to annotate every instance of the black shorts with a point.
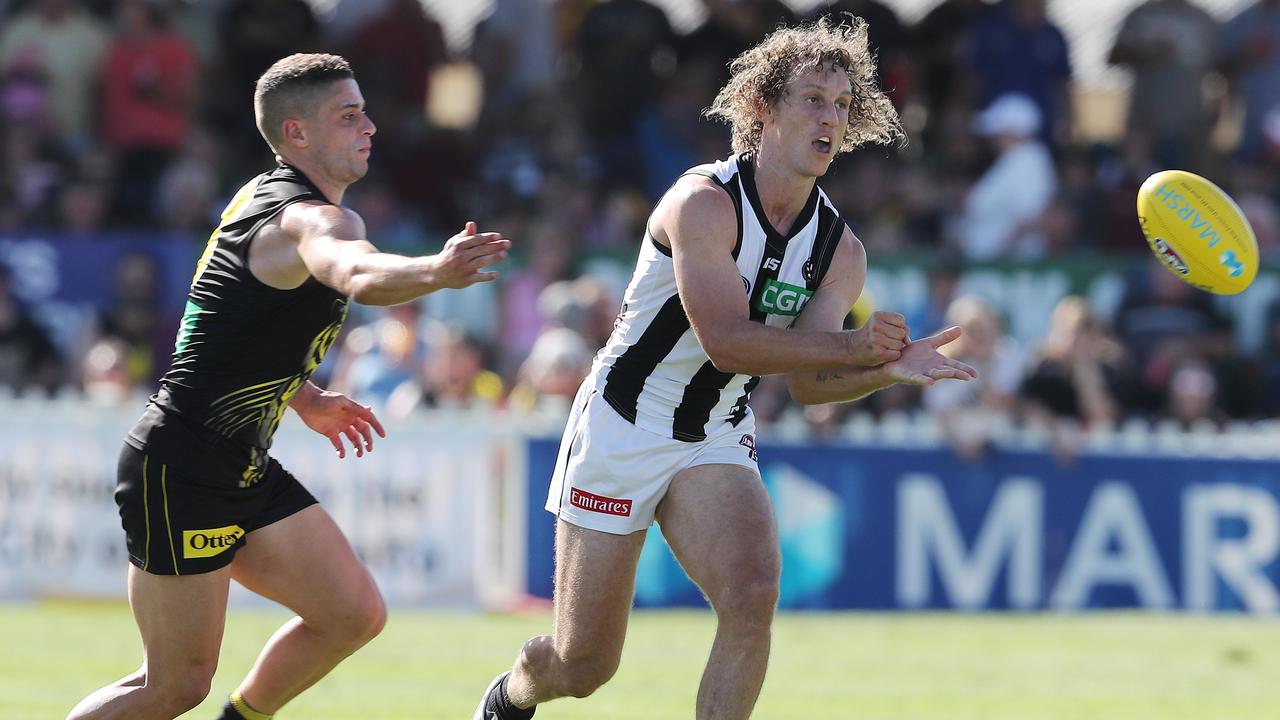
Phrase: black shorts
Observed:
(180, 518)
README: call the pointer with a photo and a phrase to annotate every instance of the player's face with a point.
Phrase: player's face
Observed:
(807, 124)
(344, 133)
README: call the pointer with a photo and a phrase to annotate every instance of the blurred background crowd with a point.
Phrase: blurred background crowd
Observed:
(560, 122)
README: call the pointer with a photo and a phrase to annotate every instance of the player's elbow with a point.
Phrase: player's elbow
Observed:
(364, 289)
(724, 362)
(725, 355)
(362, 292)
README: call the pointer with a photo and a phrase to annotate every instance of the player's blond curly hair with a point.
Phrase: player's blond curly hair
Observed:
(760, 76)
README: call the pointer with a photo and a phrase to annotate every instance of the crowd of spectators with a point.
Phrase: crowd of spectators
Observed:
(135, 117)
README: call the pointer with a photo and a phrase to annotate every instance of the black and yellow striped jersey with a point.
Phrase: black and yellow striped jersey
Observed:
(244, 348)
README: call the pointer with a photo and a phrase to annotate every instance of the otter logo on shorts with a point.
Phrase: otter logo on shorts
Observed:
(207, 543)
(599, 503)
(749, 442)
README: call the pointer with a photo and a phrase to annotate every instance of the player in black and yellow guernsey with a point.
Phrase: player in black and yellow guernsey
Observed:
(200, 499)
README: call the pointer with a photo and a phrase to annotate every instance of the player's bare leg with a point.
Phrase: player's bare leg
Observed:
(306, 564)
(181, 619)
(137, 678)
(595, 582)
(719, 523)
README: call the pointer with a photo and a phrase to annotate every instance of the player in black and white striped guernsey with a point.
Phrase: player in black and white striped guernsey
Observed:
(654, 371)
(745, 270)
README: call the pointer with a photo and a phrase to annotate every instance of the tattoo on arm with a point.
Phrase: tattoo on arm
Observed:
(825, 375)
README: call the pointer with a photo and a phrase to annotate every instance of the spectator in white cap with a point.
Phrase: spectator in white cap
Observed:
(1002, 211)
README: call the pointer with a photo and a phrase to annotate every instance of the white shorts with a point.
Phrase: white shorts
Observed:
(611, 475)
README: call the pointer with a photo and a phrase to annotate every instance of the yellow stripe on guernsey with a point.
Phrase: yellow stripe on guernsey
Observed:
(207, 543)
(263, 404)
(234, 410)
(242, 198)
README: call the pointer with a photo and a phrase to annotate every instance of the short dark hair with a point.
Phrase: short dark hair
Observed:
(287, 89)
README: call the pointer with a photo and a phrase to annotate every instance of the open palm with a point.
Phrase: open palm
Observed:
(334, 415)
(922, 364)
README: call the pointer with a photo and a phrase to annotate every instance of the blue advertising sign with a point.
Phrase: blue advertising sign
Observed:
(79, 269)
(880, 528)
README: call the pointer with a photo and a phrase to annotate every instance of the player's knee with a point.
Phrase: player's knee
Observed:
(751, 596)
(193, 692)
(584, 676)
(537, 653)
(576, 674)
(584, 672)
(367, 618)
(538, 657)
(186, 689)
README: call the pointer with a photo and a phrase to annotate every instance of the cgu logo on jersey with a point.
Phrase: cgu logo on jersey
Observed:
(207, 543)
(779, 298)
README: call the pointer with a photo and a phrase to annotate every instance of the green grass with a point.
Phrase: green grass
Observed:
(846, 666)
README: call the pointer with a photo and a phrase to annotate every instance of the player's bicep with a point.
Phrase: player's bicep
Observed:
(701, 227)
(331, 243)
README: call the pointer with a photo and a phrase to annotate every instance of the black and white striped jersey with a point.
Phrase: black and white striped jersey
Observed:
(653, 371)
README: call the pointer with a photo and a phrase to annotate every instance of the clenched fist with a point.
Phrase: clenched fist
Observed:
(879, 341)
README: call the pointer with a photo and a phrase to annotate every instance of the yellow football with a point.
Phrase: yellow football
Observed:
(1198, 231)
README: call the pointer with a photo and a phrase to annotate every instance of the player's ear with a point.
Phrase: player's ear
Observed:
(295, 132)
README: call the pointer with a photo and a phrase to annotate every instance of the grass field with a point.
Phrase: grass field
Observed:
(907, 667)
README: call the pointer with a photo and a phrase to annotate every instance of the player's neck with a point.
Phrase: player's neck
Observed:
(333, 190)
(783, 193)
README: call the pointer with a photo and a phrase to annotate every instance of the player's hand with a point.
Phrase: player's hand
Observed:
(879, 341)
(922, 364)
(335, 416)
(462, 261)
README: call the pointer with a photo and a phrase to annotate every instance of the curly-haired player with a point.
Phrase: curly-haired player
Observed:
(746, 269)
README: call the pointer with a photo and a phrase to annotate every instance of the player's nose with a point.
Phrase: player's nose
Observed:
(831, 117)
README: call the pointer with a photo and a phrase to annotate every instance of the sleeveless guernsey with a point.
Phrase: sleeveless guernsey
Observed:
(652, 371)
(244, 348)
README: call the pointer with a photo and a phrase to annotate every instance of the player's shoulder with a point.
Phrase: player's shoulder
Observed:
(707, 186)
(310, 217)
(698, 202)
(318, 211)
(695, 201)
(701, 189)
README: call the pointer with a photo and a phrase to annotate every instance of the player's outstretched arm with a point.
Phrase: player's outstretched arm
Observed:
(698, 221)
(917, 363)
(331, 243)
(920, 364)
(334, 416)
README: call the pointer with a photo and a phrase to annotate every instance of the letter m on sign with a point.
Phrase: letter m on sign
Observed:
(928, 538)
